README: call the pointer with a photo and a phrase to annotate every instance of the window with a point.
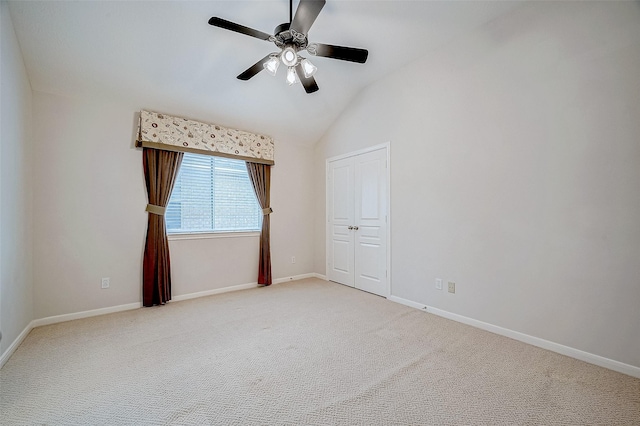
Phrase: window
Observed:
(212, 194)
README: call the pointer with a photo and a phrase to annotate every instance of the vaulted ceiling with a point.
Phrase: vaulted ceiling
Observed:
(164, 56)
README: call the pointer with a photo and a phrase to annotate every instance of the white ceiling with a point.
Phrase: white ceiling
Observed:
(164, 56)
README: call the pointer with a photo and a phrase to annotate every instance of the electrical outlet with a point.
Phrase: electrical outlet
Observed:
(293, 259)
(438, 283)
(452, 287)
(106, 282)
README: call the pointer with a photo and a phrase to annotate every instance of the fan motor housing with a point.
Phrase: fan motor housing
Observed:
(284, 36)
(281, 28)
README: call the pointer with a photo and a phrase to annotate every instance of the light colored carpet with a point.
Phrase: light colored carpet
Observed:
(307, 352)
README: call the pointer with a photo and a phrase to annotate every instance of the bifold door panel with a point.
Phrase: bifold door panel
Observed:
(357, 221)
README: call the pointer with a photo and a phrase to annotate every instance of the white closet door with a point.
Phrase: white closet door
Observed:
(357, 205)
(340, 221)
(370, 196)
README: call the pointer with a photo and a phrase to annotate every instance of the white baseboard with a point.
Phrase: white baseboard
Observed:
(102, 311)
(598, 360)
(85, 314)
(299, 277)
(535, 341)
(406, 302)
(12, 348)
(129, 306)
(239, 287)
(62, 318)
(213, 291)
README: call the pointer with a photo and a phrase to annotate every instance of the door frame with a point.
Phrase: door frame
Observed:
(384, 146)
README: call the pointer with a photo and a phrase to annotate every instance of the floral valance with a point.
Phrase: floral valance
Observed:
(161, 131)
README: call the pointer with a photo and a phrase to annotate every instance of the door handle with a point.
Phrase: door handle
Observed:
(350, 228)
(355, 228)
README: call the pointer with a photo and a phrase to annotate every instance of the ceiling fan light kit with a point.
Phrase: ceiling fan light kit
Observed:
(308, 68)
(289, 56)
(291, 76)
(272, 64)
(291, 38)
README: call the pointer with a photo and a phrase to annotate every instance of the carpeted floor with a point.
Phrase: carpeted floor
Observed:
(300, 353)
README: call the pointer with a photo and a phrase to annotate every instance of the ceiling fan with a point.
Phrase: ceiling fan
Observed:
(291, 38)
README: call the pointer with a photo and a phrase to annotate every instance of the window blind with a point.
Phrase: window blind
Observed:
(212, 194)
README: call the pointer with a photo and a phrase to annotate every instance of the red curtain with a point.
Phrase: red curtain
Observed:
(160, 172)
(260, 176)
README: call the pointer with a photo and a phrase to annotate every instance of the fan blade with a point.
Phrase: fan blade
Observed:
(254, 69)
(306, 14)
(309, 84)
(228, 25)
(340, 52)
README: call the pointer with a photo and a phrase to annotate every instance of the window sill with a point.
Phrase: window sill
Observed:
(213, 235)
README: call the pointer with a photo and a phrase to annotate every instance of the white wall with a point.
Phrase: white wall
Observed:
(515, 172)
(16, 284)
(90, 221)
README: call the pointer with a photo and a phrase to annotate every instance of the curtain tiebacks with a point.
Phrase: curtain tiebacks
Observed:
(153, 209)
(267, 211)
